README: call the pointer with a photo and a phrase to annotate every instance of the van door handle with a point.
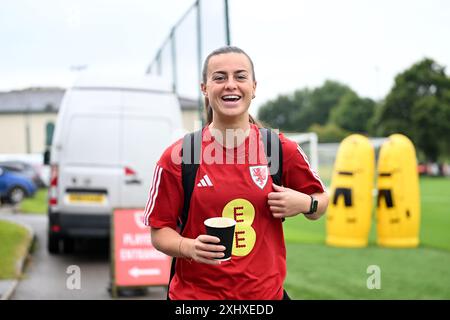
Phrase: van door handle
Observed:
(133, 181)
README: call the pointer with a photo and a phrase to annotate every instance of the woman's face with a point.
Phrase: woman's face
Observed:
(229, 85)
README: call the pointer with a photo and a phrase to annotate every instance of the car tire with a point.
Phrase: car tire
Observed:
(53, 244)
(68, 245)
(16, 195)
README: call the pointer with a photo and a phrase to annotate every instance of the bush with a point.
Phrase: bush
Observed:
(329, 132)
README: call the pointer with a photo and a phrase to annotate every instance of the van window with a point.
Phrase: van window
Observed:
(144, 139)
(92, 140)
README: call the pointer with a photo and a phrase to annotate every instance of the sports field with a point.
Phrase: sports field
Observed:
(317, 271)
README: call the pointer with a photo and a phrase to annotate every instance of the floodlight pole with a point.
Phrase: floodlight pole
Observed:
(199, 61)
(174, 61)
(158, 62)
(227, 23)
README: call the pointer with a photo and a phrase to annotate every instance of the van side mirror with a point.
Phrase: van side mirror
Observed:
(47, 157)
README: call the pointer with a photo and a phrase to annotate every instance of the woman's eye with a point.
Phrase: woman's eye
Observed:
(218, 78)
(242, 77)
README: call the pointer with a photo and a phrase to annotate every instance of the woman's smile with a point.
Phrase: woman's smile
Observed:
(231, 100)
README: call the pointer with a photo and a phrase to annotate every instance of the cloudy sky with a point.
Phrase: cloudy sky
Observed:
(294, 43)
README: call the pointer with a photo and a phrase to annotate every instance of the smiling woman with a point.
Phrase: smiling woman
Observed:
(240, 188)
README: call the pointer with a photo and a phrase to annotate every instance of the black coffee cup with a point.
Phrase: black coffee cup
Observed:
(222, 228)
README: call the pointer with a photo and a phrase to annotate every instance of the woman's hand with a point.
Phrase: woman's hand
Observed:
(286, 202)
(202, 249)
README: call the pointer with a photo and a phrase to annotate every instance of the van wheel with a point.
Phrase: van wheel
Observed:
(53, 244)
(68, 245)
(16, 195)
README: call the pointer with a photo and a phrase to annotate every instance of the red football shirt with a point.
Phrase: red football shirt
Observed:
(232, 183)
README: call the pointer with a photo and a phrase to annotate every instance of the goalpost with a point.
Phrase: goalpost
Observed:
(309, 144)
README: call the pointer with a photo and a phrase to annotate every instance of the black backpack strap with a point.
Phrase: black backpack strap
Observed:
(191, 152)
(274, 154)
(190, 160)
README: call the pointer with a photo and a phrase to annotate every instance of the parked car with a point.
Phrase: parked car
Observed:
(15, 187)
(25, 169)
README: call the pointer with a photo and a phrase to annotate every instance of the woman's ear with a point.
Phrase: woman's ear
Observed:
(254, 90)
(203, 88)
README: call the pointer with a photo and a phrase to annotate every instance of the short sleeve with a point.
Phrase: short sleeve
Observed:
(297, 172)
(165, 197)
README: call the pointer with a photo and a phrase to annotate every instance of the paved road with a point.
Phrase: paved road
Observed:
(47, 275)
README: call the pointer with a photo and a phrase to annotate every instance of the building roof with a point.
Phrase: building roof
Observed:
(188, 103)
(48, 99)
(119, 82)
(31, 100)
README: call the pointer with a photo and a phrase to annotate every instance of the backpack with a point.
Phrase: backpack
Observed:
(191, 152)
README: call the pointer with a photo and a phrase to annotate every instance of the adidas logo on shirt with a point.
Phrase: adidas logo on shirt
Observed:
(205, 182)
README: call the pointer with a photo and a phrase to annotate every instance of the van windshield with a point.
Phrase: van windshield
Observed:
(92, 140)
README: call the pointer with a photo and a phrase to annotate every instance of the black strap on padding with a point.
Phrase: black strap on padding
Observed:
(347, 194)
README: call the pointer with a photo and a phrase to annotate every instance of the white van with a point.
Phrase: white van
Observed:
(108, 136)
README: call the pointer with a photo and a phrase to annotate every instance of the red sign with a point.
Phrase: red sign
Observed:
(136, 261)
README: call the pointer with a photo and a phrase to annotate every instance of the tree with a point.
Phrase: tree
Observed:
(323, 100)
(431, 123)
(353, 113)
(303, 108)
(416, 107)
(282, 112)
(329, 132)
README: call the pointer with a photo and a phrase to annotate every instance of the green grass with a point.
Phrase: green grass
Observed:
(322, 272)
(317, 271)
(435, 204)
(14, 240)
(37, 204)
(325, 173)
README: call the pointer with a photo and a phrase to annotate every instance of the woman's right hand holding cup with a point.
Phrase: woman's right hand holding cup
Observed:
(203, 249)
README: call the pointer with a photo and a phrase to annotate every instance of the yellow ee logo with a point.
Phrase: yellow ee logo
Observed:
(243, 212)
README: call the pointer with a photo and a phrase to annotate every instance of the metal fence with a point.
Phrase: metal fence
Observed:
(202, 28)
